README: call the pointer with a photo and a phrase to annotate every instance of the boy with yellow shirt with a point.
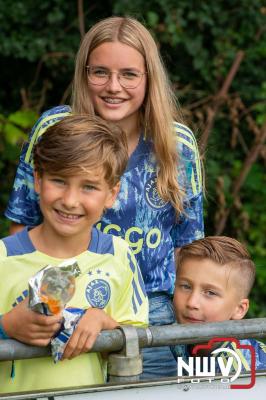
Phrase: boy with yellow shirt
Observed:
(78, 164)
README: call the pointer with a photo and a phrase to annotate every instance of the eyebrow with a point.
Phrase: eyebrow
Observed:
(121, 69)
(212, 286)
(205, 284)
(90, 180)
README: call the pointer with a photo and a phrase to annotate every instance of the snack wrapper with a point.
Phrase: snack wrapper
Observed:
(49, 291)
(52, 287)
(71, 317)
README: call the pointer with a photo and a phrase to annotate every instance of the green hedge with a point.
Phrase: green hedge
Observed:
(199, 42)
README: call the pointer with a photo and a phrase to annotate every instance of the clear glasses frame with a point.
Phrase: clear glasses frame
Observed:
(121, 78)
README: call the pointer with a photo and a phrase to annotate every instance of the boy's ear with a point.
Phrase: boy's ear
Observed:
(37, 179)
(241, 309)
(113, 192)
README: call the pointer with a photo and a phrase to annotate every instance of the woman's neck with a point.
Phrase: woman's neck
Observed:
(133, 133)
(132, 143)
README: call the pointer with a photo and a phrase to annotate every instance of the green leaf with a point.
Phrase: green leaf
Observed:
(25, 119)
(152, 18)
(13, 134)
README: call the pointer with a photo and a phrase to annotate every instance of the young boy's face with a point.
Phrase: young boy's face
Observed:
(206, 292)
(72, 205)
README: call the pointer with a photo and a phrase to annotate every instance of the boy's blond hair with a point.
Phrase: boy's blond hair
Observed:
(159, 109)
(79, 143)
(223, 250)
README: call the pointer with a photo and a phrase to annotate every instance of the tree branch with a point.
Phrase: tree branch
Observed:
(81, 18)
(219, 98)
(237, 184)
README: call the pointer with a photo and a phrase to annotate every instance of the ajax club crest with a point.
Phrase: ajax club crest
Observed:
(152, 196)
(98, 293)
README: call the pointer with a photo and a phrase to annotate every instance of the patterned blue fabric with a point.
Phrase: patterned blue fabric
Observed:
(3, 334)
(159, 362)
(139, 215)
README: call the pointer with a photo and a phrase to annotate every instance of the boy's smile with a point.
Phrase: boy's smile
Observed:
(71, 205)
(206, 292)
(69, 216)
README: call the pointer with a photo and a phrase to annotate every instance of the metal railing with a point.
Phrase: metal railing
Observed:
(125, 364)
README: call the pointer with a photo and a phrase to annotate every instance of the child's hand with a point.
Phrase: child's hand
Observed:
(86, 332)
(27, 326)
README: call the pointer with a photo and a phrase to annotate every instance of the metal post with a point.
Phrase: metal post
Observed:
(126, 366)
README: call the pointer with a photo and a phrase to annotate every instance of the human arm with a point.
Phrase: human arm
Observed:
(88, 328)
(190, 225)
(126, 303)
(15, 227)
(30, 327)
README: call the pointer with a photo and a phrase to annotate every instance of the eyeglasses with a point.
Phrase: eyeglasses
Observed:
(128, 78)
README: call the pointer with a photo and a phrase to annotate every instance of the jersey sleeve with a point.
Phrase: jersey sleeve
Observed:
(132, 305)
(23, 206)
(3, 254)
(3, 251)
(189, 226)
(243, 350)
(260, 353)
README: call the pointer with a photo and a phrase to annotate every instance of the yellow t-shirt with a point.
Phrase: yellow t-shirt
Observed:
(110, 279)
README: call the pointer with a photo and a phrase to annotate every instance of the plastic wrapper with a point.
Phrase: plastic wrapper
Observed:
(52, 287)
(71, 317)
(49, 291)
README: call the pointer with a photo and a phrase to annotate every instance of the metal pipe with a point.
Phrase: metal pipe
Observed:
(13, 350)
(153, 336)
(199, 333)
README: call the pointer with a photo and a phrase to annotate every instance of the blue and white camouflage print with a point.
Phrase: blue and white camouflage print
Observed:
(139, 215)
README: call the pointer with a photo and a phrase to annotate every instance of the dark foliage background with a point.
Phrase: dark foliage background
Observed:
(215, 54)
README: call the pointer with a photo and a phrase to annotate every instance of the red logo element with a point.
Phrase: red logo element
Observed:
(209, 346)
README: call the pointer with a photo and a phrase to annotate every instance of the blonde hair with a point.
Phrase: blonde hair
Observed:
(80, 143)
(159, 110)
(222, 250)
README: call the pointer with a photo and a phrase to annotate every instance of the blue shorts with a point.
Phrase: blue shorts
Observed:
(159, 362)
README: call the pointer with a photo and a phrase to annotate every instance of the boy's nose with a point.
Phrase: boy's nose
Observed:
(70, 198)
(193, 300)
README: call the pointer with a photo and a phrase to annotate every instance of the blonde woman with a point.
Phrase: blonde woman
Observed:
(120, 77)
